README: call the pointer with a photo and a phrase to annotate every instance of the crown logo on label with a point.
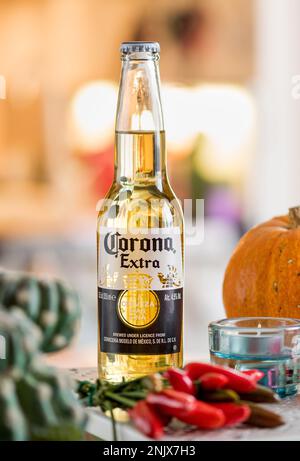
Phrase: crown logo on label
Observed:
(137, 281)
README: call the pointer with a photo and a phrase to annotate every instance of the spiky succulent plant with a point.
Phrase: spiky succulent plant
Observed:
(50, 303)
(36, 401)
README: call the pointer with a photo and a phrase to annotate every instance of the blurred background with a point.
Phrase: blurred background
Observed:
(230, 75)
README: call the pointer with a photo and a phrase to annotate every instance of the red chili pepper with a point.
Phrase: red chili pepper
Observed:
(237, 381)
(234, 414)
(204, 416)
(213, 381)
(257, 375)
(146, 420)
(171, 402)
(180, 381)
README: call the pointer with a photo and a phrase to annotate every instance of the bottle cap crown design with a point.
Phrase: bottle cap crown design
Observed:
(139, 47)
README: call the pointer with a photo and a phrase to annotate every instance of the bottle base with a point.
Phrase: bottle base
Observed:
(115, 368)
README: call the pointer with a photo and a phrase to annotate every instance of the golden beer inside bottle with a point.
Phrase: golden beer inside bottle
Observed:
(140, 198)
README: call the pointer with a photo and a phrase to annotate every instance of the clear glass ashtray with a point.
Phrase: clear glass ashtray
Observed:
(269, 344)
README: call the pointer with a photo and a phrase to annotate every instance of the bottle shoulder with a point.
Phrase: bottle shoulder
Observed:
(140, 206)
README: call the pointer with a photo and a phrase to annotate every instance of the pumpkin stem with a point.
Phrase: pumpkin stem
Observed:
(294, 217)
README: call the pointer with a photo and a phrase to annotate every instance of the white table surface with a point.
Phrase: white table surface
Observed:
(100, 426)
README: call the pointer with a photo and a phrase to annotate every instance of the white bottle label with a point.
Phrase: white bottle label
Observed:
(140, 291)
(151, 258)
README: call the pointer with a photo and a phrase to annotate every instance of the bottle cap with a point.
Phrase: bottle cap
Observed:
(139, 47)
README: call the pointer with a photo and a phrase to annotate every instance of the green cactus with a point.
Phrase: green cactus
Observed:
(36, 401)
(13, 425)
(49, 303)
(20, 340)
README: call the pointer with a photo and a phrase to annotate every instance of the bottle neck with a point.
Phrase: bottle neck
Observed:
(140, 141)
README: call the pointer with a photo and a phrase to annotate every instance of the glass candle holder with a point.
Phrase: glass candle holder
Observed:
(269, 344)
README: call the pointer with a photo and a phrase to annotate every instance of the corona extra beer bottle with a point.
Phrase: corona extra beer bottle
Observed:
(139, 234)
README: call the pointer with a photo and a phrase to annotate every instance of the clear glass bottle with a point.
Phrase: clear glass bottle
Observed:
(139, 234)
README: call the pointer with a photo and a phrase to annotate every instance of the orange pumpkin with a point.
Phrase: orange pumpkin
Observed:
(263, 275)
